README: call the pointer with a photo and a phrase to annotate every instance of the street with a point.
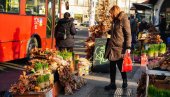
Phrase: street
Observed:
(10, 72)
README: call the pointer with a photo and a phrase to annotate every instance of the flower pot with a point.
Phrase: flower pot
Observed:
(41, 85)
(47, 84)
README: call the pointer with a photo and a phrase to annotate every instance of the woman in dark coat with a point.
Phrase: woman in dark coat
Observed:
(65, 25)
(118, 45)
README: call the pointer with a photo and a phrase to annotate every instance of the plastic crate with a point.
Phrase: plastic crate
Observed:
(168, 40)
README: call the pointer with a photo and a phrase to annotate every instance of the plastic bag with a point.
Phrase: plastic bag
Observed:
(127, 63)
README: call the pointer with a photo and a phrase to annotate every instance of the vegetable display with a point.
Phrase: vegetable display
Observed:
(83, 66)
(162, 48)
(153, 38)
(38, 75)
(156, 92)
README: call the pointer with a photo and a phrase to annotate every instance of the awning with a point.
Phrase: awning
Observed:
(140, 6)
(153, 2)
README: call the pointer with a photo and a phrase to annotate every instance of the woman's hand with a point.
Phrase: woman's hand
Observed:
(128, 51)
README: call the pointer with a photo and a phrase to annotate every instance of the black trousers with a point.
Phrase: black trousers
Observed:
(113, 70)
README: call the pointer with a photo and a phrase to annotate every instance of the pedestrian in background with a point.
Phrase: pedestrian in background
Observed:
(162, 27)
(143, 25)
(118, 45)
(66, 28)
(133, 25)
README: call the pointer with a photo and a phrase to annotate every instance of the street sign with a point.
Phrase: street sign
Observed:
(100, 64)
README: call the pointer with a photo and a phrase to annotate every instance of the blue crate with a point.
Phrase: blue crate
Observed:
(168, 40)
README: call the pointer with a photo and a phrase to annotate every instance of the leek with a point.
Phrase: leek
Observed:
(162, 49)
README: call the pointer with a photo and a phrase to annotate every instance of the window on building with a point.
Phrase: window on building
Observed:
(9, 6)
(86, 2)
(75, 2)
(81, 2)
(35, 7)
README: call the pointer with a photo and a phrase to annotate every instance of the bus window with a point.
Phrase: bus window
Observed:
(9, 6)
(35, 7)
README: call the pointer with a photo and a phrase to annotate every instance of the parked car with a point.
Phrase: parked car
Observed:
(86, 23)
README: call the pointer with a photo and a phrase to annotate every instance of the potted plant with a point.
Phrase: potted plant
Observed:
(66, 55)
(40, 81)
(47, 80)
(38, 67)
(156, 50)
(45, 66)
(162, 48)
(151, 51)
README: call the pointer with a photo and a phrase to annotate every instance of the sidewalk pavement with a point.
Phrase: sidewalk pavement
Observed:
(8, 78)
(97, 81)
(95, 84)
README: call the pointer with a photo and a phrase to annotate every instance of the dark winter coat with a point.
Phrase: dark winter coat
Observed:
(143, 26)
(162, 25)
(70, 31)
(120, 38)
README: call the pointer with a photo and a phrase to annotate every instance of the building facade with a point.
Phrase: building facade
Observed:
(79, 9)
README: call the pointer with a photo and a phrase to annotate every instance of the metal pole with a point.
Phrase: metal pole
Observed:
(92, 12)
(60, 8)
(125, 6)
(53, 23)
(129, 7)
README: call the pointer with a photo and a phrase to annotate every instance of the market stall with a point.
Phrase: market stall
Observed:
(155, 63)
(38, 78)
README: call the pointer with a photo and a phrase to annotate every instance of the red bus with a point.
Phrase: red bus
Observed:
(25, 24)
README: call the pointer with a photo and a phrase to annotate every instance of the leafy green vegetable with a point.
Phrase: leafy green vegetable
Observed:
(32, 71)
(65, 54)
(46, 77)
(156, 92)
(40, 79)
(162, 48)
(156, 47)
(38, 66)
(144, 51)
(151, 51)
(45, 66)
(136, 52)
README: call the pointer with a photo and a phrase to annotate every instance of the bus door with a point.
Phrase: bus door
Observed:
(52, 17)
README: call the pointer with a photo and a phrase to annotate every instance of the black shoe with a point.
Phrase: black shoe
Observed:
(110, 87)
(124, 85)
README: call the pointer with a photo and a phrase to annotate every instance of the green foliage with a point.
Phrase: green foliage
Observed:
(136, 53)
(38, 66)
(156, 92)
(65, 54)
(40, 79)
(46, 77)
(144, 51)
(32, 71)
(156, 47)
(162, 48)
(45, 66)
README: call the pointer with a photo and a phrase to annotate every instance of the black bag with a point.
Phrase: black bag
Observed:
(62, 35)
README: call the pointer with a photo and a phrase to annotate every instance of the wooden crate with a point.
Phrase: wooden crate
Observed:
(162, 84)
